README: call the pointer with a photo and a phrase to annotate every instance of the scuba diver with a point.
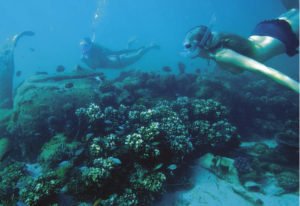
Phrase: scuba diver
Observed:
(96, 56)
(237, 54)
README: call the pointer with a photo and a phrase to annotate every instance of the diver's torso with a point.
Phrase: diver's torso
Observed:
(259, 48)
(96, 58)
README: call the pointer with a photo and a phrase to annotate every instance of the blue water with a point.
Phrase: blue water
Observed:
(59, 26)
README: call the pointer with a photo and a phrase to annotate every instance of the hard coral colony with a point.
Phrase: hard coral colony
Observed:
(123, 146)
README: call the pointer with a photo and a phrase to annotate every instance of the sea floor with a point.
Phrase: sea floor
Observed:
(209, 190)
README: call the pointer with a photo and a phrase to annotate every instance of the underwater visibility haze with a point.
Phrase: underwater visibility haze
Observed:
(100, 105)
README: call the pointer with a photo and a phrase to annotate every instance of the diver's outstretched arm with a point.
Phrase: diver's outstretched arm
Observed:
(230, 58)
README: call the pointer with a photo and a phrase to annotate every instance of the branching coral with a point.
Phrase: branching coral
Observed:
(102, 146)
(39, 191)
(99, 173)
(209, 109)
(222, 133)
(147, 181)
(127, 198)
(144, 142)
(92, 112)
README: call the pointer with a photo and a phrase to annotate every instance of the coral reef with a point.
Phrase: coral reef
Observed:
(143, 180)
(43, 106)
(149, 140)
(40, 191)
(9, 178)
(57, 150)
(122, 141)
(145, 141)
(99, 173)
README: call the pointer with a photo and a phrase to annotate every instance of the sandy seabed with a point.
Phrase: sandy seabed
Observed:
(209, 190)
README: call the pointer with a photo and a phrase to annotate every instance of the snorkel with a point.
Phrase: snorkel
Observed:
(203, 44)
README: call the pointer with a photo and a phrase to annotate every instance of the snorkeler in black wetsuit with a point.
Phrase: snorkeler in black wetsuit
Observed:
(237, 54)
(96, 56)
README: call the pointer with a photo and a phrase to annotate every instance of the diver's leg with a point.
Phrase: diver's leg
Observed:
(292, 17)
(124, 51)
(134, 55)
(119, 60)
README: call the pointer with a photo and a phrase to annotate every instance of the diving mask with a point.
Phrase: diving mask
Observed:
(197, 39)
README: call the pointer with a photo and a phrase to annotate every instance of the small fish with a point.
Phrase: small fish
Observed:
(115, 160)
(79, 152)
(157, 167)
(108, 121)
(31, 49)
(18, 73)
(172, 167)
(166, 69)
(60, 68)
(69, 85)
(65, 163)
(121, 127)
(97, 78)
(155, 143)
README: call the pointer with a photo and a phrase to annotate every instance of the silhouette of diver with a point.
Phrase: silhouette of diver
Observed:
(96, 56)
